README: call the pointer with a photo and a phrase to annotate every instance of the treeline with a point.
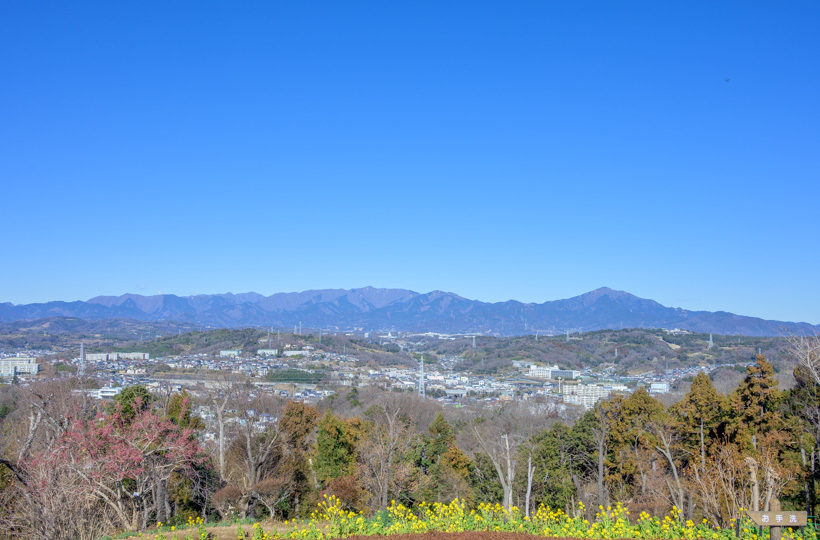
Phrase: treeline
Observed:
(74, 469)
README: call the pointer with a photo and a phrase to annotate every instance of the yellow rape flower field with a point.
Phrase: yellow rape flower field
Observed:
(330, 520)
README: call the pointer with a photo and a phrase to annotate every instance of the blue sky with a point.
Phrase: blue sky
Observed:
(526, 150)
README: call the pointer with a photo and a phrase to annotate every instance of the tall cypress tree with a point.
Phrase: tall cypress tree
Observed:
(700, 417)
(335, 448)
(754, 406)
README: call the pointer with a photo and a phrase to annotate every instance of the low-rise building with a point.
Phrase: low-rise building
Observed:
(540, 372)
(113, 357)
(565, 374)
(587, 395)
(554, 372)
(18, 365)
(105, 392)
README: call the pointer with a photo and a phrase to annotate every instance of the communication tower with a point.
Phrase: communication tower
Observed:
(421, 378)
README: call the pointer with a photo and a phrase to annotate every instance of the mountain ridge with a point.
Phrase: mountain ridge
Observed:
(370, 308)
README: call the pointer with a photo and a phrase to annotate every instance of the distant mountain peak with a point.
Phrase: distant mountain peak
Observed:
(373, 309)
(606, 291)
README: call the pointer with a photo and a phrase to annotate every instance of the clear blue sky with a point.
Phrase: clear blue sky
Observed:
(526, 150)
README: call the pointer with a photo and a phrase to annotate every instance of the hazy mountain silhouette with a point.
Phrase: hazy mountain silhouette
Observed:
(370, 308)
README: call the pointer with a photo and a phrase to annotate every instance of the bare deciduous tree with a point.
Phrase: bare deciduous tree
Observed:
(500, 433)
(386, 439)
(219, 396)
(258, 433)
(806, 350)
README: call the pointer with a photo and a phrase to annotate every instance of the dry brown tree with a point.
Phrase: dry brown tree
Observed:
(387, 436)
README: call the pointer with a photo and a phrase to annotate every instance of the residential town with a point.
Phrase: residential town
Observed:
(310, 374)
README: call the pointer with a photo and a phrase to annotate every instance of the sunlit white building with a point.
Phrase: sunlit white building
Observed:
(9, 367)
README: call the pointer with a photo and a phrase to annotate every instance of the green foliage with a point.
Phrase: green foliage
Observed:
(298, 376)
(132, 400)
(555, 455)
(629, 423)
(441, 437)
(483, 480)
(60, 367)
(335, 448)
(352, 397)
(179, 411)
(445, 468)
(700, 416)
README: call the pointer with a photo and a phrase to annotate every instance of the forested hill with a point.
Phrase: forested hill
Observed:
(371, 309)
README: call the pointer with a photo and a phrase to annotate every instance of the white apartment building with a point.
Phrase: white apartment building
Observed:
(296, 353)
(9, 367)
(587, 395)
(113, 357)
(554, 372)
(540, 372)
(267, 352)
(230, 353)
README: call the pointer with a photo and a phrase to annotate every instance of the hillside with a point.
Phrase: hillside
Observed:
(638, 350)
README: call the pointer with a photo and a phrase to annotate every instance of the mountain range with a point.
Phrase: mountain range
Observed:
(376, 309)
